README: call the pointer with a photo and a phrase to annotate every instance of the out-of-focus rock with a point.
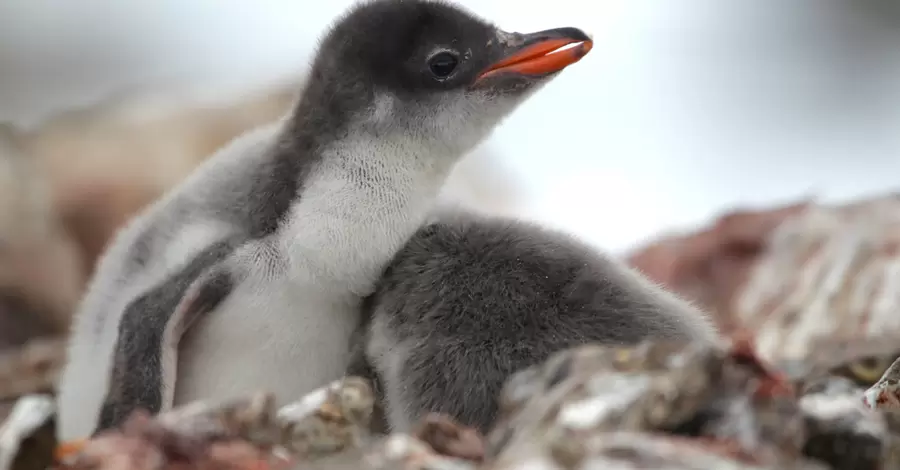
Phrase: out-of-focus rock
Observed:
(794, 275)
(105, 163)
(331, 419)
(144, 445)
(844, 433)
(861, 360)
(683, 406)
(68, 185)
(724, 396)
(885, 393)
(711, 265)
(31, 369)
(41, 270)
(19, 321)
(396, 452)
(654, 405)
(447, 437)
(828, 272)
(244, 434)
(622, 450)
(28, 436)
(328, 428)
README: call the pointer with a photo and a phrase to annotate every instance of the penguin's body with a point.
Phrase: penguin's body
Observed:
(268, 248)
(471, 299)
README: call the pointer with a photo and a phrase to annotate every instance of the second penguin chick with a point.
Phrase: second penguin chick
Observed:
(471, 299)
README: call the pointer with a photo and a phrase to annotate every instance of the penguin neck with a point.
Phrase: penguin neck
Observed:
(359, 204)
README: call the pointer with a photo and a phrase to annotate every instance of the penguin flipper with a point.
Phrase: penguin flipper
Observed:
(145, 357)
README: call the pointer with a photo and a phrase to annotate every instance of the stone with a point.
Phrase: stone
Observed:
(28, 435)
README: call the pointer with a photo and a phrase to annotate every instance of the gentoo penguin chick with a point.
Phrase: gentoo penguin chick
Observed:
(268, 248)
(471, 299)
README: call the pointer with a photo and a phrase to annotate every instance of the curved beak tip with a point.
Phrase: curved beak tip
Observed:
(543, 53)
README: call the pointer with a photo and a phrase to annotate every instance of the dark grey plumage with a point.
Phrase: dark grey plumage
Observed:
(190, 293)
(470, 300)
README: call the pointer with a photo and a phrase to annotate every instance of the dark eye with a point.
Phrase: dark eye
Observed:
(442, 64)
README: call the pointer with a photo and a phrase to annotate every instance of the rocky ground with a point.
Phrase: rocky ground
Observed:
(660, 406)
(807, 294)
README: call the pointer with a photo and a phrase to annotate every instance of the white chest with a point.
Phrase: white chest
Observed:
(288, 330)
(355, 214)
(276, 337)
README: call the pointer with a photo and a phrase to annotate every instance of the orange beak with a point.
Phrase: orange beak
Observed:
(539, 53)
(68, 450)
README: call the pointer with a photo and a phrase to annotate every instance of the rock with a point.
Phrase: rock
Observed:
(40, 266)
(675, 406)
(794, 276)
(69, 184)
(628, 450)
(439, 443)
(827, 273)
(326, 429)
(862, 360)
(329, 420)
(724, 395)
(400, 451)
(102, 164)
(844, 433)
(28, 436)
(885, 394)
(711, 265)
(32, 369)
(447, 437)
(671, 406)
(147, 447)
(19, 321)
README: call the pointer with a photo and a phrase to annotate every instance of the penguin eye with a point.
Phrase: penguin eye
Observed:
(442, 64)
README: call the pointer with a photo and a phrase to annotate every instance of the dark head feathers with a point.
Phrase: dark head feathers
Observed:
(389, 43)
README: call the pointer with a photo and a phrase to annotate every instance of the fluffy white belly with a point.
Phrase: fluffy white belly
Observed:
(280, 338)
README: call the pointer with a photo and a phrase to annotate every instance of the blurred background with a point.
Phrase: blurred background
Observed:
(685, 110)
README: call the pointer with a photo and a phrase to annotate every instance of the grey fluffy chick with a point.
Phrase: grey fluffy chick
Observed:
(257, 263)
(472, 299)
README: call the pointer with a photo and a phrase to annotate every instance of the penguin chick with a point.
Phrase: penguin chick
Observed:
(471, 299)
(267, 249)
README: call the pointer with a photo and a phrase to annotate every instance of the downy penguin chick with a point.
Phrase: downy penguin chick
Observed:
(268, 248)
(471, 299)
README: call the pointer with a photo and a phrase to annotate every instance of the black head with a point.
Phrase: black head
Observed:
(434, 68)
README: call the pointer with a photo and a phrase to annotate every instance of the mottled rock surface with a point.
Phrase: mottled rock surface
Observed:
(654, 405)
(885, 393)
(671, 406)
(27, 437)
(31, 369)
(794, 276)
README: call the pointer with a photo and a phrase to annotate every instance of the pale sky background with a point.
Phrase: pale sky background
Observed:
(684, 109)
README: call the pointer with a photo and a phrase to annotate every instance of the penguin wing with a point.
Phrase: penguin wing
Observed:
(145, 356)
